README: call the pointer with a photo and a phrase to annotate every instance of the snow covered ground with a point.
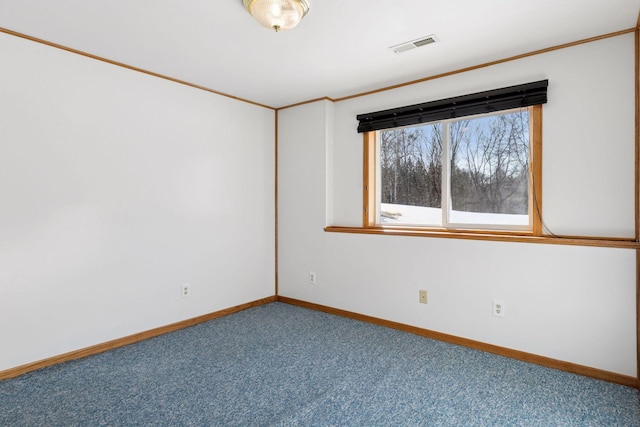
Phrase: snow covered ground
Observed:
(418, 215)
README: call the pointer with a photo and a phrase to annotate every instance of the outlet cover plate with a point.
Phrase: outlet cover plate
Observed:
(423, 296)
(185, 290)
(498, 308)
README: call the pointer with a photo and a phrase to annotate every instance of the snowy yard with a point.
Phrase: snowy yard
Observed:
(418, 215)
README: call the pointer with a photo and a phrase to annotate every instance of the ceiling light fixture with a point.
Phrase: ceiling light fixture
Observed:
(277, 14)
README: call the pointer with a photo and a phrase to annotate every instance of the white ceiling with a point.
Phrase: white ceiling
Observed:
(339, 49)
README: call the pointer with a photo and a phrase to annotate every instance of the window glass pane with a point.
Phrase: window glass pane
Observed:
(411, 175)
(490, 170)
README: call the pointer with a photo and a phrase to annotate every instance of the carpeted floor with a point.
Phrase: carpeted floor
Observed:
(280, 365)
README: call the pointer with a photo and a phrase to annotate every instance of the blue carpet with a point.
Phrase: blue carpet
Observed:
(280, 365)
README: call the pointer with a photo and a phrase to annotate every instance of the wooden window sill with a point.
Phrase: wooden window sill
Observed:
(605, 242)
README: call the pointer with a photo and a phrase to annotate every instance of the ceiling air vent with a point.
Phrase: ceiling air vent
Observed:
(423, 41)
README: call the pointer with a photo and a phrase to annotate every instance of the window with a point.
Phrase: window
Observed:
(465, 173)
(477, 173)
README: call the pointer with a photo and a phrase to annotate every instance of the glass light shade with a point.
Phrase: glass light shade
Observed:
(277, 14)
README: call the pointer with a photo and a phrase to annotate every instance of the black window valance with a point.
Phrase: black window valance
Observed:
(523, 95)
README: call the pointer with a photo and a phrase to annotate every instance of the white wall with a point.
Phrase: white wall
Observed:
(588, 127)
(569, 303)
(116, 187)
(302, 191)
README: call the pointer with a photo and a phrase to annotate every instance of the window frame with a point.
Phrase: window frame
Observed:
(371, 189)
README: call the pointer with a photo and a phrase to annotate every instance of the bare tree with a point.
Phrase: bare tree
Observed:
(489, 164)
(495, 157)
(400, 153)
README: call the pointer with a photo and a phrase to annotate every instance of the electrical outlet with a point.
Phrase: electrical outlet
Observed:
(423, 296)
(312, 278)
(498, 308)
(185, 290)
